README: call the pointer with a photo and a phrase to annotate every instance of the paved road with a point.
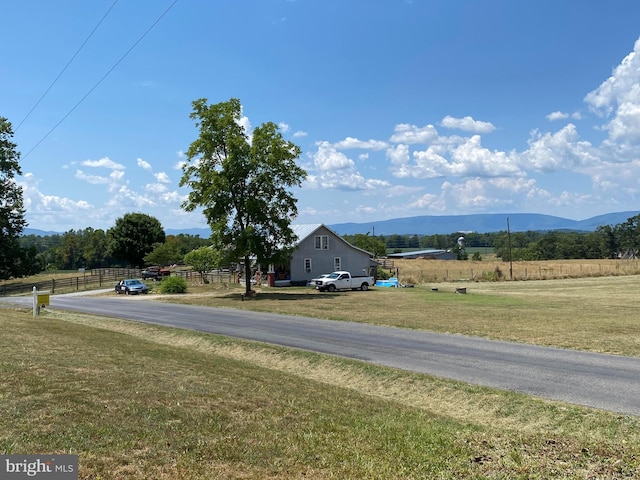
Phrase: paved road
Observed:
(603, 381)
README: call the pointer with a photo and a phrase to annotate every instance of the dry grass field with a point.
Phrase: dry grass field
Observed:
(138, 401)
(141, 402)
(420, 271)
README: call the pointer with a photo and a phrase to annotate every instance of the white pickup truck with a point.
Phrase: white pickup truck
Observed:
(343, 281)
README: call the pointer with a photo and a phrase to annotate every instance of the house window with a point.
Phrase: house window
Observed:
(337, 264)
(307, 265)
(322, 242)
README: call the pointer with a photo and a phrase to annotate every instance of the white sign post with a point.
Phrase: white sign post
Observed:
(35, 302)
(40, 300)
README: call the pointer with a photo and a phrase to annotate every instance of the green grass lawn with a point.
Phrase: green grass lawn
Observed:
(136, 401)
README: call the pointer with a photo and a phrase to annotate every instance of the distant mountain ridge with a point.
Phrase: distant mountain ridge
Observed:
(444, 224)
(480, 223)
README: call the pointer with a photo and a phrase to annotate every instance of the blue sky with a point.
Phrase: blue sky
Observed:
(401, 108)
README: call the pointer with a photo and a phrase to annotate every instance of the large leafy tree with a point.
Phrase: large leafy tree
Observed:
(166, 253)
(13, 259)
(203, 259)
(133, 236)
(243, 184)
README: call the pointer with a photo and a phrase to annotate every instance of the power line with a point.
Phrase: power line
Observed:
(67, 65)
(102, 79)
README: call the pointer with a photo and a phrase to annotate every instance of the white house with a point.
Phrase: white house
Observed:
(320, 250)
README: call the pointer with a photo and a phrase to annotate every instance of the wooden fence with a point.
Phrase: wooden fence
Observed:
(89, 280)
(104, 278)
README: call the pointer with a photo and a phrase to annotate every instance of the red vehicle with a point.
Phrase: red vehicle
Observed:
(155, 273)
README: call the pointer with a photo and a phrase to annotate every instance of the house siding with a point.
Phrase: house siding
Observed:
(323, 260)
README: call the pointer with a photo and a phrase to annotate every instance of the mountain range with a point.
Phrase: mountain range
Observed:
(480, 223)
(445, 224)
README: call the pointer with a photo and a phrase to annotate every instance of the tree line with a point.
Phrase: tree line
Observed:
(139, 240)
(96, 248)
(607, 241)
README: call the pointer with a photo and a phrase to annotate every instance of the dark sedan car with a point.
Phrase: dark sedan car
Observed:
(131, 286)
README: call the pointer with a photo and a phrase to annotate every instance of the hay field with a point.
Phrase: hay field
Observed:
(422, 271)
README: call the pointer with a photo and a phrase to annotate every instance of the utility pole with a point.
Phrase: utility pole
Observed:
(510, 256)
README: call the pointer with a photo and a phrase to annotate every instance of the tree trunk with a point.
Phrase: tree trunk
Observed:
(247, 275)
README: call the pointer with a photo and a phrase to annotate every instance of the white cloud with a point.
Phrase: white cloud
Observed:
(411, 134)
(562, 116)
(429, 163)
(333, 169)
(162, 177)
(144, 164)
(557, 116)
(284, 127)
(327, 158)
(105, 162)
(300, 134)
(53, 210)
(93, 179)
(478, 194)
(351, 142)
(463, 158)
(558, 151)
(620, 87)
(246, 124)
(619, 97)
(467, 124)
(398, 154)
(113, 180)
(155, 188)
(345, 180)
(471, 159)
(625, 126)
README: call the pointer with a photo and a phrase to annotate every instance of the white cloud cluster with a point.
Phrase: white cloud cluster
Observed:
(467, 124)
(475, 178)
(119, 196)
(333, 169)
(419, 169)
(558, 115)
(618, 99)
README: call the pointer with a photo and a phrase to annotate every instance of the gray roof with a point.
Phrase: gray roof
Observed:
(431, 251)
(303, 231)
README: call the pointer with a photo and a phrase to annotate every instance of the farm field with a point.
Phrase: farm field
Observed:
(421, 271)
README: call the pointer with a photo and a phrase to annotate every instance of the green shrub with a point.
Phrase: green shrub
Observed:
(493, 276)
(173, 285)
(381, 273)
